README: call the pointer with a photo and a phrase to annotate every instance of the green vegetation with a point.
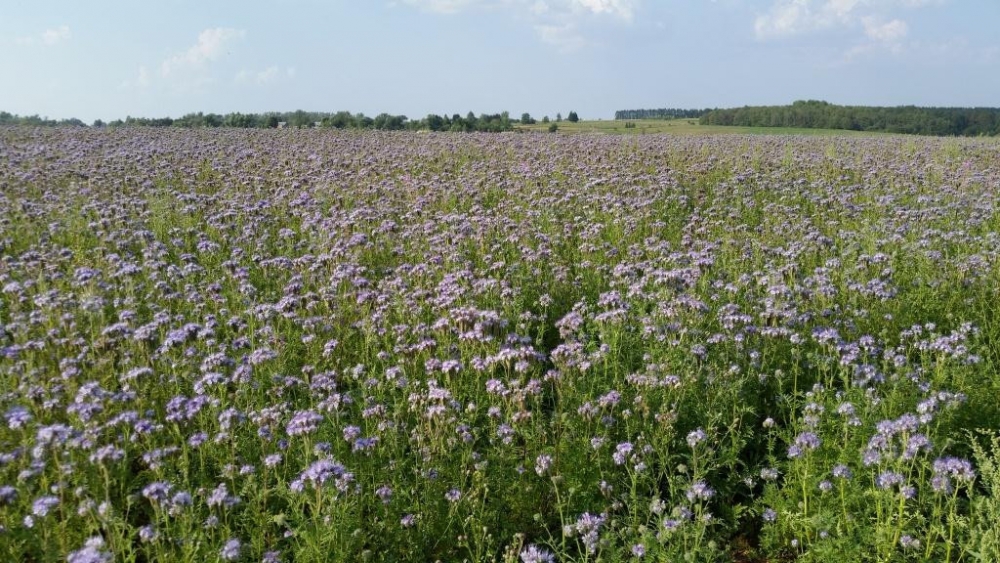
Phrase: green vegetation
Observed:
(246, 345)
(661, 113)
(298, 119)
(903, 119)
(676, 127)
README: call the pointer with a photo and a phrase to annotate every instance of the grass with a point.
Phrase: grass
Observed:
(678, 127)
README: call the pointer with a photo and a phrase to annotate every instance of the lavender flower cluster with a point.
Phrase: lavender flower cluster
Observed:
(315, 345)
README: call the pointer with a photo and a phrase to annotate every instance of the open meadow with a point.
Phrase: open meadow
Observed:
(310, 345)
(679, 126)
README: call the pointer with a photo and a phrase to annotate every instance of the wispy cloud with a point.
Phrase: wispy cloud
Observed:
(885, 32)
(443, 6)
(796, 17)
(270, 74)
(624, 9)
(48, 38)
(190, 68)
(141, 81)
(210, 45)
(556, 22)
(877, 25)
(566, 36)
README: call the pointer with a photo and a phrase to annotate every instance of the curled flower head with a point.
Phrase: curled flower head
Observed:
(231, 550)
(695, 437)
(542, 464)
(92, 552)
(842, 472)
(769, 515)
(699, 490)
(621, 452)
(535, 554)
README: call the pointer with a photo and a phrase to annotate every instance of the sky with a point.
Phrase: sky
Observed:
(110, 59)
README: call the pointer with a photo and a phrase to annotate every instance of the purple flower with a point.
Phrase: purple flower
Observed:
(842, 472)
(147, 534)
(542, 464)
(695, 437)
(320, 472)
(453, 495)
(941, 484)
(43, 505)
(351, 432)
(956, 468)
(699, 490)
(17, 417)
(889, 479)
(156, 492)
(588, 527)
(8, 495)
(91, 553)
(805, 441)
(769, 515)
(365, 444)
(535, 554)
(621, 451)
(671, 524)
(220, 497)
(384, 493)
(303, 422)
(769, 474)
(231, 550)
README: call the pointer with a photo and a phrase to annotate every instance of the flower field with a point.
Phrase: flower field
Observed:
(304, 345)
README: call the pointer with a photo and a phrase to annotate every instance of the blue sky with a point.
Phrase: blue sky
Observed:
(108, 59)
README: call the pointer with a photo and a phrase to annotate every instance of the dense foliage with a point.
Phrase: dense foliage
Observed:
(661, 113)
(903, 119)
(312, 345)
(297, 119)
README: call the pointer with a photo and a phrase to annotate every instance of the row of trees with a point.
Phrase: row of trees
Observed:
(7, 118)
(902, 119)
(572, 117)
(661, 113)
(339, 120)
(495, 122)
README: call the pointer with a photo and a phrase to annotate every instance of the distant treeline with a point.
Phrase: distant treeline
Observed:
(902, 119)
(11, 119)
(662, 113)
(340, 120)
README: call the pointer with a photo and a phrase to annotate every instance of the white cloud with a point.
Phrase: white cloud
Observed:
(624, 9)
(443, 6)
(57, 35)
(267, 75)
(875, 24)
(795, 17)
(270, 74)
(141, 81)
(791, 17)
(49, 37)
(557, 22)
(210, 45)
(889, 32)
(565, 36)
